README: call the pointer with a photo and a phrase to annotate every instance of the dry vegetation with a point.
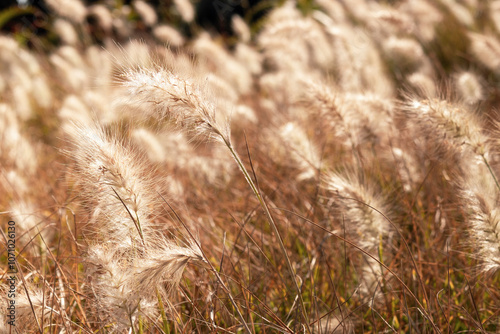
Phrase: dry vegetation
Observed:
(331, 168)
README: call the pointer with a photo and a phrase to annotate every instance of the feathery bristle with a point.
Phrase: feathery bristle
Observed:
(351, 121)
(481, 197)
(448, 126)
(115, 184)
(163, 266)
(171, 96)
(357, 202)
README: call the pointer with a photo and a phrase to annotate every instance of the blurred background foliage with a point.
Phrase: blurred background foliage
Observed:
(31, 20)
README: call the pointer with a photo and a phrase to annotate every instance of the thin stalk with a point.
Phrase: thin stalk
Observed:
(422, 308)
(381, 261)
(141, 324)
(131, 324)
(274, 227)
(491, 171)
(166, 327)
(136, 222)
(225, 288)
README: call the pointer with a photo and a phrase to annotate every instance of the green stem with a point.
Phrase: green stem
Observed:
(140, 229)
(166, 327)
(273, 226)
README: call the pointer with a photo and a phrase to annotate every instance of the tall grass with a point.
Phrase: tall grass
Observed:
(332, 167)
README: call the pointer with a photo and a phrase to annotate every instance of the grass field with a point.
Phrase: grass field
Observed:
(316, 166)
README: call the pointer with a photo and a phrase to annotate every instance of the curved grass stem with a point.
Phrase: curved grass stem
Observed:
(491, 171)
(271, 221)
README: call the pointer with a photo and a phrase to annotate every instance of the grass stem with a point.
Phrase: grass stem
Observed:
(270, 218)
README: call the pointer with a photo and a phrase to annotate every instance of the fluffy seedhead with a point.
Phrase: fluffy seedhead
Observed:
(66, 31)
(481, 197)
(357, 202)
(16, 149)
(185, 9)
(149, 143)
(461, 12)
(30, 224)
(168, 35)
(300, 149)
(359, 53)
(73, 10)
(222, 63)
(128, 260)
(358, 62)
(114, 185)
(176, 98)
(241, 28)
(215, 170)
(109, 276)
(361, 207)
(125, 286)
(250, 57)
(426, 17)
(486, 49)
(102, 15)
(353, 118)
(32, 307)
(146, 12)
(325, 101)
(163, 266)
(422, 85)
(405, 53)
(449, 127)
(469, 87)
(386, 21)
(407, 167)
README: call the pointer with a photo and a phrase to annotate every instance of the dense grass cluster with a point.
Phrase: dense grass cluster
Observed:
(331, 168)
